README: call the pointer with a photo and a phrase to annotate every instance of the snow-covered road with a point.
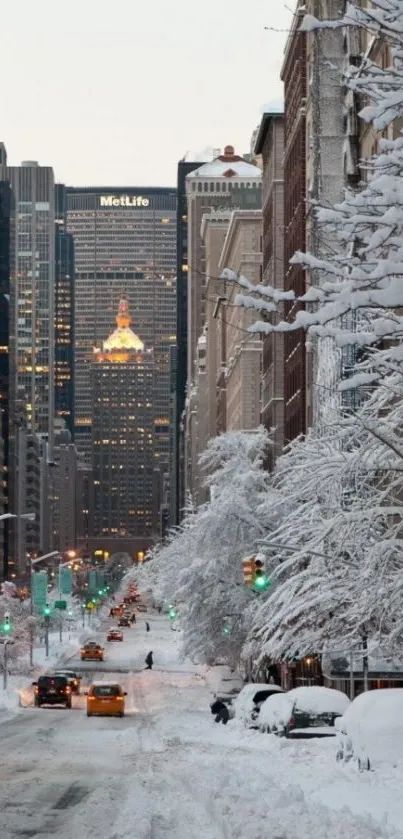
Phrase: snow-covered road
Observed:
(166, 770)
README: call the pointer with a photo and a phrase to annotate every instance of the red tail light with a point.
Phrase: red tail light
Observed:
(291, 723)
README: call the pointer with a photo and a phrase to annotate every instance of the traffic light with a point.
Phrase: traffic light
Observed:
(172, 613)
(248, 568)
(6, 627)
(260, 580)
(46, 610)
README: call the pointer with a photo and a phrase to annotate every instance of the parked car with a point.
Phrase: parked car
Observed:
(224, 682)
(250, 700)
(141, 607)
(114, 634)
(52, 690)
(370, 732)
(106, 699)
(73, 678)
(303, 712)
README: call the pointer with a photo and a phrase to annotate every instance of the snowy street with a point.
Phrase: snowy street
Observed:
(167, 770)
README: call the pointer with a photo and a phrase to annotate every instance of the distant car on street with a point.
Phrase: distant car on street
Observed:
(303, 712)
(370, 732)
(52, 690)
(114, 634)
(73, 678)
(92, 652)
(141, 607)
(106, 699)
(249, 701)
(124, 620)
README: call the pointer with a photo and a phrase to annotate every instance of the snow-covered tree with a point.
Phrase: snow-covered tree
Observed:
(200, 570)
(337, 557)
(22, 624)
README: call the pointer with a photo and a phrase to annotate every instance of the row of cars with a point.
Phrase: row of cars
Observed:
(103, 698)
(369, 729)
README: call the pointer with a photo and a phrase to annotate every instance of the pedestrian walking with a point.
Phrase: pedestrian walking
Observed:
(159, 609)
(149, 661)
(147, 626)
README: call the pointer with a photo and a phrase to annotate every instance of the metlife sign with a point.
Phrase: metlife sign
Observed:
(123, 201)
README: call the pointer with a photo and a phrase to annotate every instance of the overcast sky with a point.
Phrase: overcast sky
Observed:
(115, 92)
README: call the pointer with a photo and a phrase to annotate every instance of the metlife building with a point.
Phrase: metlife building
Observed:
(125, 244)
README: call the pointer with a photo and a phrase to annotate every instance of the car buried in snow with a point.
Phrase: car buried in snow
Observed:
(304, 712)
(249, 701)
(370, 732)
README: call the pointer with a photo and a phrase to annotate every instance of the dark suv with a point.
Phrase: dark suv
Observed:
(52, 690)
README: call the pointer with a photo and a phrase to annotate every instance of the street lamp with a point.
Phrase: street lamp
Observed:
(28, 516)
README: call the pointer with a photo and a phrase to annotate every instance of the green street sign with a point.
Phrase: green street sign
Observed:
(60, 604)
(66, 581)
(39, 590)
(92, 582)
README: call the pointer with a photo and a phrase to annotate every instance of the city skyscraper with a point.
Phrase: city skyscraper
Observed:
(64, 314)
(5, 211)
(122, 512)
(32, 258)
(31, 359)
(178, 403)
(125, 243)
(229, 182)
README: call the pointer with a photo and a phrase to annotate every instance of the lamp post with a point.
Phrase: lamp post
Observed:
(72, 555)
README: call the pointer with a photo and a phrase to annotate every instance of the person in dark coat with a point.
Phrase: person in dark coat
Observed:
(149, 661)
(221, 711)
(147, 626)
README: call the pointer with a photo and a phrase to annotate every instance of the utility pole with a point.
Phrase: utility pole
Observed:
(5, 671)
(47, 637)
(365, 661)
(6, 632)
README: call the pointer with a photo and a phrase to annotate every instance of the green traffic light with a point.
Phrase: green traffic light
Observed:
(172, 613)
(261, 582)
(6, 627)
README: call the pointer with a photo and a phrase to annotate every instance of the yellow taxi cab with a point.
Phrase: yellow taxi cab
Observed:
(92, 652)
(106, 699)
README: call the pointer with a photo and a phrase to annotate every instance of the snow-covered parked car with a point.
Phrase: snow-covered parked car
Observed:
(303, 712)
(249, 702)
(224, 682)
(370, 732)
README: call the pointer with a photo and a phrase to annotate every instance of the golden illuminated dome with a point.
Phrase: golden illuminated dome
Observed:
(123, 338)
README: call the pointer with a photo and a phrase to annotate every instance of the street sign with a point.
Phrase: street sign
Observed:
(92, 582)
(60, 604)
(39, 589)
(100, 577)
(66, 581)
